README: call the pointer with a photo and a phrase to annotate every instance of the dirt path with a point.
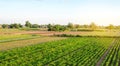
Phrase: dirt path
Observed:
(105, 54)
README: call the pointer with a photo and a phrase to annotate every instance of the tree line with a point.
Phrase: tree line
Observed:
(58, 27)
(18, 25)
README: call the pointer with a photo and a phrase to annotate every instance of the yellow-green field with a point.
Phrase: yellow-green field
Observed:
(26, 42)
(14, 32)
(43, 48)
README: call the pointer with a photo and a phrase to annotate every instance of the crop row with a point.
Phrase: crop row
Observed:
(88, 56)
(76, 49)
(44, 50)
(113, 57)
(27, 42)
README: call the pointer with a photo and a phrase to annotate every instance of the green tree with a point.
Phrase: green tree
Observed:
(20, 26)
(15, 25)
(93, 26)
(70, 25)
(35, 26)
(77, 26)
(63, 28)
(4, 25)
(85, 26)
(110, 26)
(56, 27)
(28, 24)
(49, 26)
(59, 28)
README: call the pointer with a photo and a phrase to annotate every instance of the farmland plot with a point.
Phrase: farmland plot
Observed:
(113, 56)
(5, 45)
(72, 51)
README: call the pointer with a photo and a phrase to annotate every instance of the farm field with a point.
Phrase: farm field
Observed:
(42, 48)
(7, 38)
(15, 43)
(60, 33)
(104, 32)
(85, 51)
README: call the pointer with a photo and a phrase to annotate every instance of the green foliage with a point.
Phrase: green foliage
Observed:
(35, 26)
(28, 24)
(59, 28)
(30, 29)
(110, 27)
(49, 26)
(77, 26)
(70, 25)
(72, 51)
(85, 26)
(4, 25)
(56, 27)
(71, 35)
(85, 29)
(93, 26)
(113, 56)
(15, 25)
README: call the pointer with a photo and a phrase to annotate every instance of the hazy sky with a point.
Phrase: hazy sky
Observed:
(102, 12)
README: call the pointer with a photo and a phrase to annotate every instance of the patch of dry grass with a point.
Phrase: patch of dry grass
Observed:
(22, 43)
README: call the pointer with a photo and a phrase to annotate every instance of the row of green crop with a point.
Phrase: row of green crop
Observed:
(88, 56)
(83, 57)
(113, 57)
(47, 53)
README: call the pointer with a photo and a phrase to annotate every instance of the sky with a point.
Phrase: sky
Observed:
(101, 12)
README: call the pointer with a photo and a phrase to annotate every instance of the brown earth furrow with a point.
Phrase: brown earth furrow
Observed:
(106, 52)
